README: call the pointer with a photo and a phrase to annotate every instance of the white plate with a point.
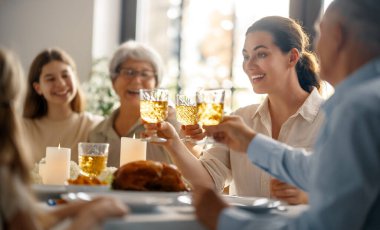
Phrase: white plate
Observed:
(137, 201)
(253, 203)
(44, 192)
(87, 188)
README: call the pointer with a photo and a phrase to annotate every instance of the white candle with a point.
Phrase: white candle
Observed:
(132, 150)
(57, 169)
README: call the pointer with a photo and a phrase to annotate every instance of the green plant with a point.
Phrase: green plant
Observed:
(101, 98)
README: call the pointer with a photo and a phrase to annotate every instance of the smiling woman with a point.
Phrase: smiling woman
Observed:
(277, 63)
(54, 104)
(134, 66)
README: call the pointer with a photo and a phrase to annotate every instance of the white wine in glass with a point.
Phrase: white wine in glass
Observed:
(154, 108)
(210, 106)
(92, 158)
(186, 112)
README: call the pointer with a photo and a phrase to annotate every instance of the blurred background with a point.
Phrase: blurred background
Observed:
(200, 40)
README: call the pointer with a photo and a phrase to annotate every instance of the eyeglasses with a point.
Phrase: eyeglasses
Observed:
(131, 73)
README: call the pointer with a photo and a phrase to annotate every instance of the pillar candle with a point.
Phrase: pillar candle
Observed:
(132, 149)
(57, 165)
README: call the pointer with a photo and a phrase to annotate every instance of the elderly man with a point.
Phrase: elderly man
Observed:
(343, 175)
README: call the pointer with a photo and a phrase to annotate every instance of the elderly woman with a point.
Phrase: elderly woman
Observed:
(134, 66)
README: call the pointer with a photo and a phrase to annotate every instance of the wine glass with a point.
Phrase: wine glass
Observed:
(210, 105)
(154, 109)
(186, 112)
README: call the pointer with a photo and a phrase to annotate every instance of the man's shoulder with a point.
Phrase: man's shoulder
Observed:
(366, 95)
(362, 101)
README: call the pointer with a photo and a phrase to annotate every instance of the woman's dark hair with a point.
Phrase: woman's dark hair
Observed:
(36, 105)
(288, 34)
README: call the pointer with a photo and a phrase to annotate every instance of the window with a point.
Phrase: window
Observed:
(201, 42)
(326, 3)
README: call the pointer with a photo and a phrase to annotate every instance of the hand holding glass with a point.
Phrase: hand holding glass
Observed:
(154, 108)
(210, 105)
(186, 111)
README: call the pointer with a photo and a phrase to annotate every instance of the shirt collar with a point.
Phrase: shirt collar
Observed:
(263, 109)
(308, 110)
(366, 73)
(311, 106)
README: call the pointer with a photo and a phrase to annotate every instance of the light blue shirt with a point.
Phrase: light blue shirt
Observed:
(342, 176)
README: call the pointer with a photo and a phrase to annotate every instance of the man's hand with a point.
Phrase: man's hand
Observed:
(208, 206)
(233, 132)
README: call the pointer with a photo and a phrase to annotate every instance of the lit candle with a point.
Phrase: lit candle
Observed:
(132, 149)
(57, 168)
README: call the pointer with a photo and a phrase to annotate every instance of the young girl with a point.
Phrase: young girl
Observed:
(18, 209)
(54, 105)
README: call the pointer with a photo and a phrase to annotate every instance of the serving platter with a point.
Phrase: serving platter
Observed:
(255, 204)
(137, 201)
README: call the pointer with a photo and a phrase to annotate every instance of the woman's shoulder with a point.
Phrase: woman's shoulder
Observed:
(247, 111)
(32, 123)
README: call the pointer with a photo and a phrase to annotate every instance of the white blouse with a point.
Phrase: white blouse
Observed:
(228, 167)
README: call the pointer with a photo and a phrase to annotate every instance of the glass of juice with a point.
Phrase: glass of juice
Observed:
(92, 158)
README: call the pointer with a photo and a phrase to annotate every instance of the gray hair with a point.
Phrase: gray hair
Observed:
(138, 51)
(362, 18)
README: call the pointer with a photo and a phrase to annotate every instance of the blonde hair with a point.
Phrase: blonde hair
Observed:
(15, 192)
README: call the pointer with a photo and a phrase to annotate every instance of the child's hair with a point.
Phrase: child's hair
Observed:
(35, 105)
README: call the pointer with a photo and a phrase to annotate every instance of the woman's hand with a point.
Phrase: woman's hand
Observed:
(288, 193)
(193, 131)
(95, 212)
(164, 129)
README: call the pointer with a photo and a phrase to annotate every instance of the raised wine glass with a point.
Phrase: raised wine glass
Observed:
(186, 112)
(210, 105)
(154, 109)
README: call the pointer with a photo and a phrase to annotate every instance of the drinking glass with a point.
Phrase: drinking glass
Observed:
(186, 112)
(154, 109)
(210, 105)
(92, 158)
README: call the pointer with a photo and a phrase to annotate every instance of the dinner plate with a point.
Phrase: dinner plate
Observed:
(137, 201)
(255, 204)
(87, 188)
(44, 192)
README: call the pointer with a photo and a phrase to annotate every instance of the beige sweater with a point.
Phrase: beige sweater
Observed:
(67, 133)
